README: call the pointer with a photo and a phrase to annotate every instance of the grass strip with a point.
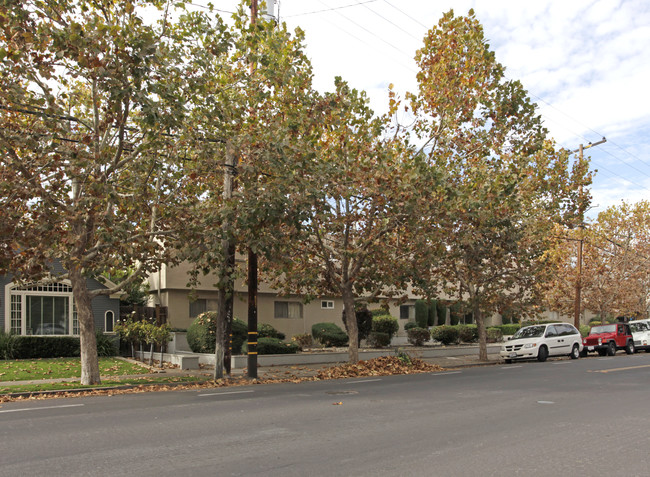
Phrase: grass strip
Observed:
(28, 388)
(59, 368)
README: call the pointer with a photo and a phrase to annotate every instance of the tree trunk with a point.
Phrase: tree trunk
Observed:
(162, 350)
(87, 339)
(482, 333)
(225, 273)
(219, 351)
(351, 325)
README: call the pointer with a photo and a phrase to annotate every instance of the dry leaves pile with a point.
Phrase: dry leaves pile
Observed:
(383, 366)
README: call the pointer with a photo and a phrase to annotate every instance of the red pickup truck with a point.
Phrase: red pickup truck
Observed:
(607, 339)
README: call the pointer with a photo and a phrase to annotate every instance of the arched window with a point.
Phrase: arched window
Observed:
(109, 321)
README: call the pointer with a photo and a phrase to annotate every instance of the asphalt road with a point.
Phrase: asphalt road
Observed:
(562, 417)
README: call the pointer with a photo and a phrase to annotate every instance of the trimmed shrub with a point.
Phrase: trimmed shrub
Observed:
(33, 347)
(385, 324)
(441, 311)
(456, 313)
(508, 329)
(264, 330)
(421, 313)
(418, 336)
(378, 339)
(445, 334)
(584, 330)
(273, 346)
(379, 312)
(329, 334)
(304, 340)
(468, 333)
(201, 335)
(494, 335)
(433, 313)
(410, 325)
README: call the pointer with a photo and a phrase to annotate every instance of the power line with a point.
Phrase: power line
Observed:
(391, 22)
(405, 14)
(328, 9)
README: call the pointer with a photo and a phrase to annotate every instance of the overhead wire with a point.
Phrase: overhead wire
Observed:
(328, 9)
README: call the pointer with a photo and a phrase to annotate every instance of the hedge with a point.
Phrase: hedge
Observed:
(509, 329)
(468, 333)
(494, 335)
(418, 336)
(433, 313)
(329, 334)
(445, 334)
(410, 325)
(35, 347)
(273, 346)
(421, 313)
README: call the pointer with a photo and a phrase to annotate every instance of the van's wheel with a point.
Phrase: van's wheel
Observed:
(629, 347)
(575, 352)
(542, 354)
(508, 361)
(611, 349)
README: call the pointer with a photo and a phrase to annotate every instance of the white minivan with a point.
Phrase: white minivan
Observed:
(541, 341)
(641, 334)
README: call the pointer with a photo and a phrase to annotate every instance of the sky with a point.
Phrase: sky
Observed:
(585, 63)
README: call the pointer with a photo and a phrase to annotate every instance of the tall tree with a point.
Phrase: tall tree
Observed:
(613, 275)
(506, 184)
(88, 167)
(355, 196)
(254, 91)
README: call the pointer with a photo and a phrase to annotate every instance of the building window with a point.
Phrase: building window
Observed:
(288, 309)
(197, 307)
(407, 312)
(41, 309)
(109, 321)
(327, 305)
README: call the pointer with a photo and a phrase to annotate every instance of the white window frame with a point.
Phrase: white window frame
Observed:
(16, 302)
(327, 304)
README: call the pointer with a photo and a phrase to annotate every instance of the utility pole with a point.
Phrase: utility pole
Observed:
(577, 303)
(252, 273)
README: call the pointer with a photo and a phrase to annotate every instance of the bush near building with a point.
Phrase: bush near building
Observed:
(418, 336)
(446, 334)
(329, 334)
(273, 346)
(385, 324)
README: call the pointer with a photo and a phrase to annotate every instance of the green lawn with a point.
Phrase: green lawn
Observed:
(112, 371)
(31, 369)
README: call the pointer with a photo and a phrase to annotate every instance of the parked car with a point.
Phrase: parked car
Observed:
(541, 341)
(607, 339)
(641, 334)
